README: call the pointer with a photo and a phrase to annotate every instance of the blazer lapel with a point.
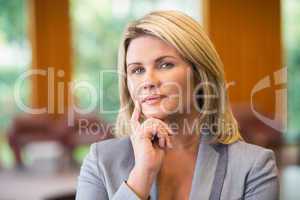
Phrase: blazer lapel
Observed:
(204, 173)
(210, 171)
(220, 172)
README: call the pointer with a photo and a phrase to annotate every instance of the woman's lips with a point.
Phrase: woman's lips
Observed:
(153, 100)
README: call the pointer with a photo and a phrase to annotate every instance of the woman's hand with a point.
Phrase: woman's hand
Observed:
(149, 140)
(148, 152)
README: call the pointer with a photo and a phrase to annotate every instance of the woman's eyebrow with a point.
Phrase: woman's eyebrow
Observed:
(162, 57)
(157, 60)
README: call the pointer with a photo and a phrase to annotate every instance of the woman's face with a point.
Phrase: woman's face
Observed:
(156, 71)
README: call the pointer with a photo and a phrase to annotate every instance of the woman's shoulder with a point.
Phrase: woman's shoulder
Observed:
(113, 144)
(250, 156)
(245, 149)
(112, 150)
(252, 170)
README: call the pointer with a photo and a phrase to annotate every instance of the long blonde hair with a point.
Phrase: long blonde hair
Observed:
(193, 44)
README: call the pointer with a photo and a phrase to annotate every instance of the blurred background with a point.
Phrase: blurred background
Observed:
(59, 88)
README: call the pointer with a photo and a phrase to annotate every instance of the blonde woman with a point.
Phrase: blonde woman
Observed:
(176, 136)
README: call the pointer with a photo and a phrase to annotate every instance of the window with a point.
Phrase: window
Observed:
(14, 59)
(291, 37)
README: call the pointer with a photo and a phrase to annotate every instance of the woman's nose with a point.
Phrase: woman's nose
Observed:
(151, 80)
(148, 85)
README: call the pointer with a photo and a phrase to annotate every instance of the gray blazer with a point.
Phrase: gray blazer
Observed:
(222, 172)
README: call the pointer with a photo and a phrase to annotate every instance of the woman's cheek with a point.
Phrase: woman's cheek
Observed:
(132, 87)
(171, 104)
(179, 98)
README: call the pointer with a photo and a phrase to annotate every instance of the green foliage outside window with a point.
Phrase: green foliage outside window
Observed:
(291, 41)
(14, 59)
(14, 56)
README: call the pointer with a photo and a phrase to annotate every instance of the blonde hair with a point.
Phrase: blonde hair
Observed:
(193, 44)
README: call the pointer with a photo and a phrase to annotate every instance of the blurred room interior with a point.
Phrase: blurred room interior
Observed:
(46, 45)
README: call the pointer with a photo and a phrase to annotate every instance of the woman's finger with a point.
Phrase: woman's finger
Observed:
(169, 130)
(167, 138)
(162, 142)
(159, 128)
(153, 133)
(148, 132)
(161, 136)
(135, 123)
(169, 143)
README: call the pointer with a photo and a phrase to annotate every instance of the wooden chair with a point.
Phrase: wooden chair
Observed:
(28, 128)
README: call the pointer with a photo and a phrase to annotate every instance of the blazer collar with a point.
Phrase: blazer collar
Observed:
(209, 173)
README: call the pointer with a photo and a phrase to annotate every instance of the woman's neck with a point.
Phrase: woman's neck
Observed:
(185, 131)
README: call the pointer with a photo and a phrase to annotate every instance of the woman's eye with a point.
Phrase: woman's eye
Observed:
(166, 65)
(137, 70)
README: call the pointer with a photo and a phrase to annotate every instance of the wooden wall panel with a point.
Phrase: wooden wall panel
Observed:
(50, 35)
(247, 35)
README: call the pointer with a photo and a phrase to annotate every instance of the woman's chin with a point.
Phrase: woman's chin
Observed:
(155, 114)
(156, 111)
